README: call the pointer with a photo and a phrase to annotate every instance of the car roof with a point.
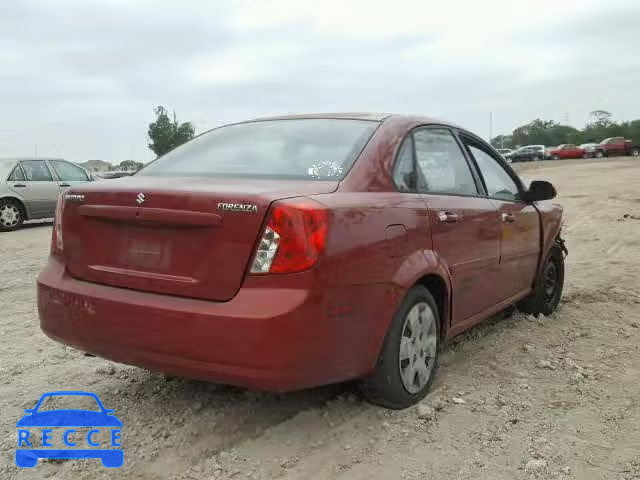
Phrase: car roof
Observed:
(376, 117)
(370, 116)
(21, 159)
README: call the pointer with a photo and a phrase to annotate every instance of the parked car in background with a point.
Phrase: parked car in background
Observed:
(566, 150)
(616, 146)
(589, 149)
(29, 187)
(114, 174)
(297, 251)
(504, 151)
(528, 153)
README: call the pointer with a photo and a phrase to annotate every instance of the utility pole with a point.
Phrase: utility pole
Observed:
(490, 127)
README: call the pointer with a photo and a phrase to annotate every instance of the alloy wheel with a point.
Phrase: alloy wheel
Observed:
(417, 347)
(9, 215)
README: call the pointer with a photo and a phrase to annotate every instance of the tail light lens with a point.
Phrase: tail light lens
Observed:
(57, 243)
(293, 239)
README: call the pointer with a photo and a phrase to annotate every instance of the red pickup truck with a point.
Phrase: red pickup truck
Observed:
(616, 146)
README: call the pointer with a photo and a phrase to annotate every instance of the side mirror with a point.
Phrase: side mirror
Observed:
(540, 190)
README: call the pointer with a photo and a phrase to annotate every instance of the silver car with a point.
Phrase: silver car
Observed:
(29, 187)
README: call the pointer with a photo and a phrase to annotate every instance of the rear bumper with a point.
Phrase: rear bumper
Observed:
(266, 337)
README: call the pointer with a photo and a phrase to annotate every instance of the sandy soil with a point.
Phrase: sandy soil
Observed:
(515, 398)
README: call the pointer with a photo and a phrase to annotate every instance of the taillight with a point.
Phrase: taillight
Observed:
(293, 238)
(57, 244)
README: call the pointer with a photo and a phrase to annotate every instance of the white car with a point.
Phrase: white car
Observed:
(29, 187)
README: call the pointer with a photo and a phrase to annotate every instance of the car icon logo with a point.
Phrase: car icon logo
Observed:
(82, 431)
(140, 198)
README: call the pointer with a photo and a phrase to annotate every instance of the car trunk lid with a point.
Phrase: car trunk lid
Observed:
(190, 237)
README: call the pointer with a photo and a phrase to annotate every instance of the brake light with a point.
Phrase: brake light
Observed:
(57, 243)
(293, 239)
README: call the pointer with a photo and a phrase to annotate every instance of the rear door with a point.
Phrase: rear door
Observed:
(520, 221)
(40, 191)
(465, 228)
(68, 174)
(572, 151)
(618, 145)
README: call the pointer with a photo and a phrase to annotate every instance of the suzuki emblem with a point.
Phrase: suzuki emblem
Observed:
(140, 198)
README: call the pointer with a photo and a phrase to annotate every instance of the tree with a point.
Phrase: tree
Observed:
(600, 118)
(130, 165)
(550, 133)
(502, 141)
(166, 134)
(545, 132)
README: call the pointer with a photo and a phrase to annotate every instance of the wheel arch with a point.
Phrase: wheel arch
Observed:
(20, 203)
(551, 216)
(424, 268)
(440, 292)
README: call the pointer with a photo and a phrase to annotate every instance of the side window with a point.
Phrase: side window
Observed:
(498, 182)
(36, 171)
(17, 175)
(403, 175)
(441, 163)
(67, 172)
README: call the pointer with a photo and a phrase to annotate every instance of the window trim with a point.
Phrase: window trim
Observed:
(17, 166)
(481, 192)
(482, 145)
(396, 162)
(53, 167)
(52, 173)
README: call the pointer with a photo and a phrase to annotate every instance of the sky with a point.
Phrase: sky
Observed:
(80, 79)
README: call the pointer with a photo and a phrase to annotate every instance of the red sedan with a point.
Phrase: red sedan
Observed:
(566, 150)
(298, 251)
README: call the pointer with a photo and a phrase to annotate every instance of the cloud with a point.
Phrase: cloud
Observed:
(80, 79)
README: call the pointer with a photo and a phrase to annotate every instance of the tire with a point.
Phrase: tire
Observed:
(536, 158)
(599, 154)
(11, 215)
(544, 298)
(635, 152)
(555, 157)
(400, 379)
(585, 155)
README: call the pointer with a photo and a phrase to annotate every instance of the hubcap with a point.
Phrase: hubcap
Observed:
(417, 347)
(9, 215)
(550, 281)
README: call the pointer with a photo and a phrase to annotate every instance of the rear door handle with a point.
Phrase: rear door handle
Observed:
(448, 217)
(508, 218)
(65, 185)
(19, 185)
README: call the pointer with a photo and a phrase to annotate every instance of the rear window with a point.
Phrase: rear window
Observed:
(314, 149)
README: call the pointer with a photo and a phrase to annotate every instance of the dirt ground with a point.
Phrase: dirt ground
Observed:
(515, 398)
